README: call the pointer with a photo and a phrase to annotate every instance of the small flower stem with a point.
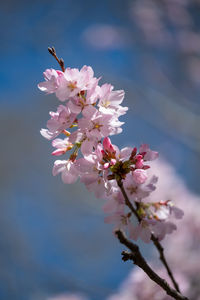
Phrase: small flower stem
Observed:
(137, 258)
(153, 238)
(52, 51)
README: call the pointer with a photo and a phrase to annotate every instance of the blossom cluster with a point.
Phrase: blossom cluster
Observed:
(88, 116)
(186, 268)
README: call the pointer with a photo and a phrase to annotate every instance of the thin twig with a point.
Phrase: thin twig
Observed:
(139, 260)
(163, 259)
(153, 238)
(127, 201)
(52, 51)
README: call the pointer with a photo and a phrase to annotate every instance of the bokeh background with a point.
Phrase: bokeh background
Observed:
(52, 236)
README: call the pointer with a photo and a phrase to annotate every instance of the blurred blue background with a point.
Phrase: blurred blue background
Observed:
(53, 238)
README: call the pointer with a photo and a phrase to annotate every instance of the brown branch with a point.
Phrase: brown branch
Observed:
(52, 51)
(127, 201)
(153, 238)
(163, 259)
(139, 260)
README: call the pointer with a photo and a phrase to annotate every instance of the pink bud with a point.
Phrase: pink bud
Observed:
(58, 152)
(139, 161)
(133, 153)
(108, 146)
(139, 176)
(113, 161)
(106, 166)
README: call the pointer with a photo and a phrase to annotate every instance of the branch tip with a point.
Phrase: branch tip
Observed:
(52, 51)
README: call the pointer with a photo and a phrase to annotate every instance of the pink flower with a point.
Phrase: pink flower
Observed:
(51, 82)
(97, 125)
(75, 81)
(142, 230)
(110, 100)
(148, 153)
(177, 212)
(60, 120)
(115, 201)
(99, 185)
(82, 100)
(93, 175)
(140, 176)
(67, 169)
(121, 221)
(108, 146)
(160, 229)
(62, 146)
(139, 192)
(139, 161)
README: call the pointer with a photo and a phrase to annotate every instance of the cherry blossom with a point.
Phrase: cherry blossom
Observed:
(140, 176)
(67, 169)
(110, 100)
(91, 114)
(51, 82)
(62, 145)
(60, 120)
(121, 221)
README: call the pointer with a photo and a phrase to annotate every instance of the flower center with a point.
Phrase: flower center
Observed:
(72, 85)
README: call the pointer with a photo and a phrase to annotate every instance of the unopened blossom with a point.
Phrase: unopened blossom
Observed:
(139, 161)
(108, 147)
(140, 176)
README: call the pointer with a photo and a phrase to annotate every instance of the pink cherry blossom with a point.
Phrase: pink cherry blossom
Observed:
(110, 100)
(95, 110)
(139, 176)
(107, 145)
(84, 99)
(97, 125)
(62, 146)
(143, 230)
(73, 81)
(160, 229)
(115, 200)
(93, 175)
(67, 169)
(60, 120)
(51, 82)
(139, 192)
(121, 221)
(148, 153)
